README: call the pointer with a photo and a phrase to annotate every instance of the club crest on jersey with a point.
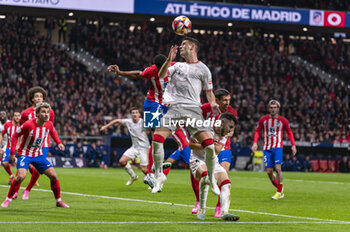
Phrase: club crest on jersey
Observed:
(272, 132)
(19, 129)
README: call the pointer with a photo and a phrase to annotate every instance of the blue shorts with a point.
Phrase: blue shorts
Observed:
(152, 107)
(6, 157)
(273, 156)
(183, 155)
(225, 156)
(40, 162)
(46, 151)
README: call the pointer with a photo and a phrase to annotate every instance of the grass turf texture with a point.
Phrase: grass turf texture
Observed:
(309, 195)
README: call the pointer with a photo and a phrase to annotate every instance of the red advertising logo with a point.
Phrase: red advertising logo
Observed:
(334, 19)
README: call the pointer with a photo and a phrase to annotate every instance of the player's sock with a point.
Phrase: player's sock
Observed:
(8, 170)
(31, 170)
(150, 160)
(195, 186)
(209, 155)
(33, 180)
(166, 171)
(203, 192)
(225, 198)
(279, 187)
(218, 204)
(15, 185)
(56, 189)
(58, 199)
(129, 170)
(210, 159)
(274, 182)
(158, 153)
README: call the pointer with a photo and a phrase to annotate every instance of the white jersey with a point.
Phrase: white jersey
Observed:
(137, 133)
(186, 82)
(200, 154)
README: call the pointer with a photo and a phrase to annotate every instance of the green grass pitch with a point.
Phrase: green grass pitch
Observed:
(100, 201)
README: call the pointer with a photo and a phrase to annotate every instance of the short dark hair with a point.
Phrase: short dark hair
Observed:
(219, 93)
(229, 116)
(159, 60)
(134, 108)
(193, 40)
(31, 92)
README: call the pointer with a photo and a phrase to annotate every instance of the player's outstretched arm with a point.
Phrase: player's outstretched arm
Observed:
(111, 123)
(164, 69)
(130, 74)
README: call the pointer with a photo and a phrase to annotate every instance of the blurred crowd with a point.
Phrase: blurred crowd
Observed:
(253, 68)
(81, 99)
(341, 5)
(330, 54)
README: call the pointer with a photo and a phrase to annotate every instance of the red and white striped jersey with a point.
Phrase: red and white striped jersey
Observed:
(208, 113)
(29, 114)
(33, 138)
(181, 138)
(155, 92)
(9, 130)
(273, 131)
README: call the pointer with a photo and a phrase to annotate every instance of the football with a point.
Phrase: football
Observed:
(182, 25)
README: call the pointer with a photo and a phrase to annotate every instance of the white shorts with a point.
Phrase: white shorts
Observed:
(196, 163)
(183, 112)
(142, 153)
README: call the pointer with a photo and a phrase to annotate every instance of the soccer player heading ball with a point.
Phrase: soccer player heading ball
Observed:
(182, 94)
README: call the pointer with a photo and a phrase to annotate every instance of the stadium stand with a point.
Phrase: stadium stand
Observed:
(253, 67)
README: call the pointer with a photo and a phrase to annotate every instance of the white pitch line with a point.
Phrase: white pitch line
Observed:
(184, 205)
(297, 180)
(176, 222)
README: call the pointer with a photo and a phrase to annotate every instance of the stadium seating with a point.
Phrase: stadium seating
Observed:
(323, 165)
(254, 68)
(333, 165)
(315, 165)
